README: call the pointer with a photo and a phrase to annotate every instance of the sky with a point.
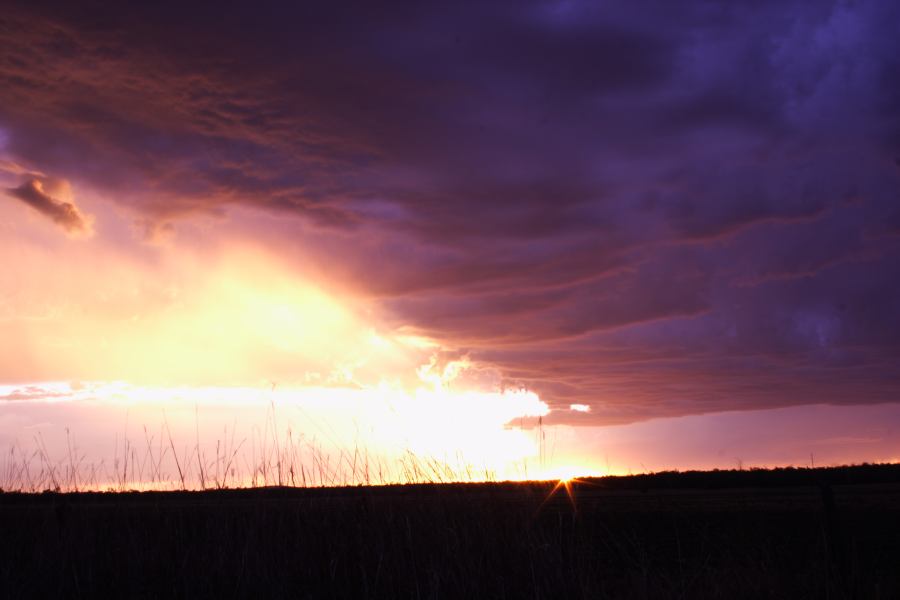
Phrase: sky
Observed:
(665, 219)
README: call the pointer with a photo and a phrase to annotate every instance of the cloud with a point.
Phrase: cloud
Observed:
(63, 213)
(647, 212)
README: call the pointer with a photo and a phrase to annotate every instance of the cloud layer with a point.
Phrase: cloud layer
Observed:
(662, 211)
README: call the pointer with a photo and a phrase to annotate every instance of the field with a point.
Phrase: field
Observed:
(784, 533)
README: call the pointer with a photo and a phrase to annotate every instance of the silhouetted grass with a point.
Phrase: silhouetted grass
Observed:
(311, 523)
(783, 533)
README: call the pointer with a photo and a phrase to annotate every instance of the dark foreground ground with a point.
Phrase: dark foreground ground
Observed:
(824, 533)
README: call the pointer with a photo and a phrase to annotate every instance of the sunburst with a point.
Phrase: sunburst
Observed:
(566, 482)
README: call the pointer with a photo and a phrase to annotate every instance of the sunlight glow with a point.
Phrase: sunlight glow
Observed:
(192, 339)
(236, 316)
(425, 435)
(570, 472)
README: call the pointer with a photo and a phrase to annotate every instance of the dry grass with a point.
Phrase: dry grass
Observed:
(156, 461)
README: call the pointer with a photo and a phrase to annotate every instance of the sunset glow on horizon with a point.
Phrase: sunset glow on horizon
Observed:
(470, 238)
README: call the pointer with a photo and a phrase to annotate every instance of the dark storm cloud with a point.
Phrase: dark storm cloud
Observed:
(654, 211)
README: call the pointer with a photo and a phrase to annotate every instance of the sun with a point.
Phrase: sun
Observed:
(567, 473)
(567, 477)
